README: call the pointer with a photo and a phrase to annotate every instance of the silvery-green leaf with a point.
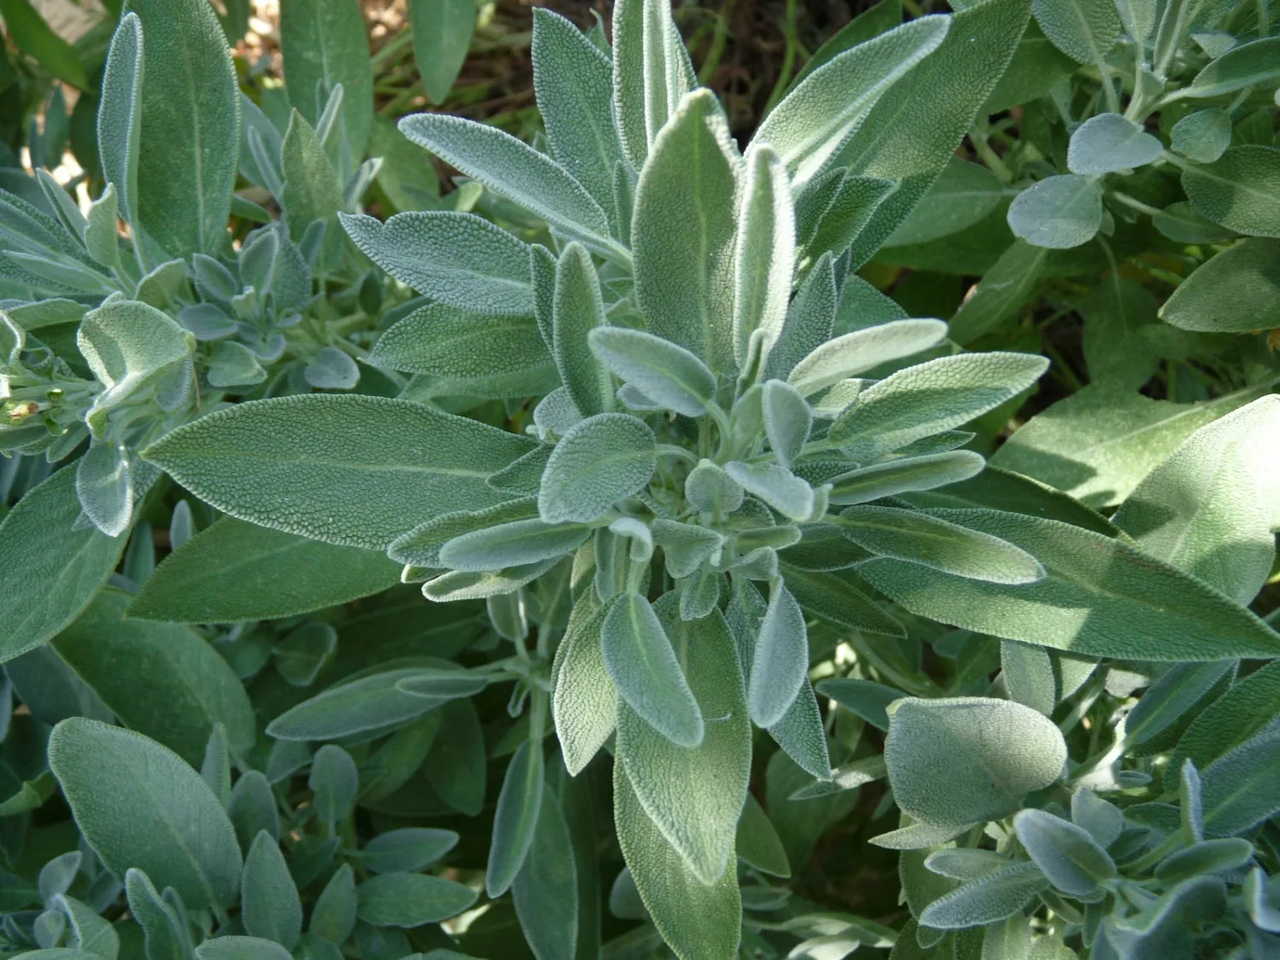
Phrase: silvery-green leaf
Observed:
(602, 460)
(867, 699)
(863, 350)
(556, 413)
(1065, 853)
(935, 543)
(664, 372)
(100, 238)
(407, 900)
(1029, 676)
(516, 817)
(802, 736)
(454, 258)
(464, 585)
(918, 836)
(574, 85)
(1109, 142)
(1084, 30)
(104, 488)
(511, 544)
(644, 668)
(818, 117)
(709, 488)
(1221, 855)
(1182, 222)
(965, 863)
(584, 700)
(120, 112)
(331, 369)
(451, 342)
(931, 397)
(833, 598)
(700, 819)
(1240, 787)
(809, 320)
(683, 232)
(700, 593)
(368, 703)
(1236, 715)
(323, 44)
(189, 146)
(1240, 191)
(383, 465)
(651, 73)
(1248, 269)
(776, 486)
(577, 310)
(1003, 290)
(758, 844)
(987, 899)
(995, 751)
(764, 257)
(1138, 607)
(1202, 136)
(312, 189)
(787, 420)
(1058, 212)
(232, 364)
(964, 194)
(271, 908)
(840, 222)
(781, 658)
(441, 38)
(546, 891)
(685, 546)
(516, 171)
(904, 476)
(1242, 66)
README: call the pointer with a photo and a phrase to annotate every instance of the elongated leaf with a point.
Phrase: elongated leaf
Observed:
(1249, 270)
(545, 891)
(65, 566)
(271, 908)
(825, 109)
(236, 571)
(651, 73)
(584, 701)
(683, 232)
(190, 139)
(862, 350)
(411, 899)
(375, 471)
(604, 459)
(764, 257)
(368, 703)
(1100, 597)
(776, 486)
(1064, 852)
(441, 37)
(781, 658)
(639, 657)
(987, 899)
(513, 170)
(577, 308)
(173, 827)
(450, 342)
(312, 189)
(919, 538)
(453, 258)
(832, 598)
(787, 420)
(963, 195)
(904, 476)
(1085, 30)
(1240, 191)
(1240, 787)
(516, 818)
(1241, 66)
(511, 545)
(119, 121)
(322, 44)
(664, 372)
(1235, 716)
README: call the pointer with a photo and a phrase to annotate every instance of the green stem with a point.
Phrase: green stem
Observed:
(1133, 203)
(788, 57)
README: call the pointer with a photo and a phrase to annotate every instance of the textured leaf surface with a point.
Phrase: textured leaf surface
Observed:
(377, 467)
(1109, 142)
(764, 257)
(441, 38)
(584, 700)
(604, 459)
(1241, 190)
(411, 899)
(862, 350)
(665, 372)
(516, 817)
(781, 658)
(1250, 270)
(986, 900)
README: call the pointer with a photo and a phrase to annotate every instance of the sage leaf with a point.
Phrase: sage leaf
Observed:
(1241, 711)
(765, 249)
(987, 899)
(577, 308)
(271, 908)
(1248, 269)
(441, 38)
(119, 122)
(545, 891)
(604, 459)
(997, 752)
(664, 372)
(780, 661)
(1065, 853)
(421, 545)
(863, 350)
(907, 475)
(512, 544)
(1059, 212)
(652, 72)
(406, 849)
(776, 486)
(646, 672)
(1242, 66)
(1202, 136)
(365, 454)
(584, 702)
(240, 948)
(516, 818)
(410, 900)
(1239, 191)
(174, 829)
(787, 420)
(1240, 786)
(1085, 30)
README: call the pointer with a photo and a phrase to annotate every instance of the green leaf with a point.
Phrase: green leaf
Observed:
(787, 420)
(406, 849)
(904, 476)
(666, 373)
(512, 544)
(335, 781)
(758, 843)
(323, 44)
(104, 488)
(1058, 212)
(369, 703)
(66, 565)
(270, 905)
(1219, 487)
(963, 195)
(334, 914)
(683, 232)
(1109, 142)
(920, 538)
(985, 900)
(1001, 293)
(931, 397)
(240, 948)
(1242, 66)
(236, 571)
(1100, 597)
(1242, 787)
(826, 108)
(1085, 30)
(700, 819)
(764, 257)
(441, 37)
(312, 190)
(574, 85)
(578, 308)
(545, 891)
(379, 466)
(1207, 856)
(996, 752)
(1100, 442)
(1028, 676)
(776, 486)
(832, 598)
(119, 120)
(163, 681)
(516, 818)
(780, 661)
(190, 139)
(32, 35)
(862, 350)
(602, 460)
(1064, 852)
(515, 171)
(1202, 136)
(699, 922)
(867, 699)
(1238, 291)
(172, 826)
(1242, 710)
(1241, 190)
(456, 259)
(411, 900)
(584, 701)
(652, 72)
(450, 342)
(421, 545)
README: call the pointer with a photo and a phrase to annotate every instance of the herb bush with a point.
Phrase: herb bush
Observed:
(762, 618)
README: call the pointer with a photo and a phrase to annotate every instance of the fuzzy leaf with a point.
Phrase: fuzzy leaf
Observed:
(602, 460)
(665, 372)
(780, 661)
(863, 350)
